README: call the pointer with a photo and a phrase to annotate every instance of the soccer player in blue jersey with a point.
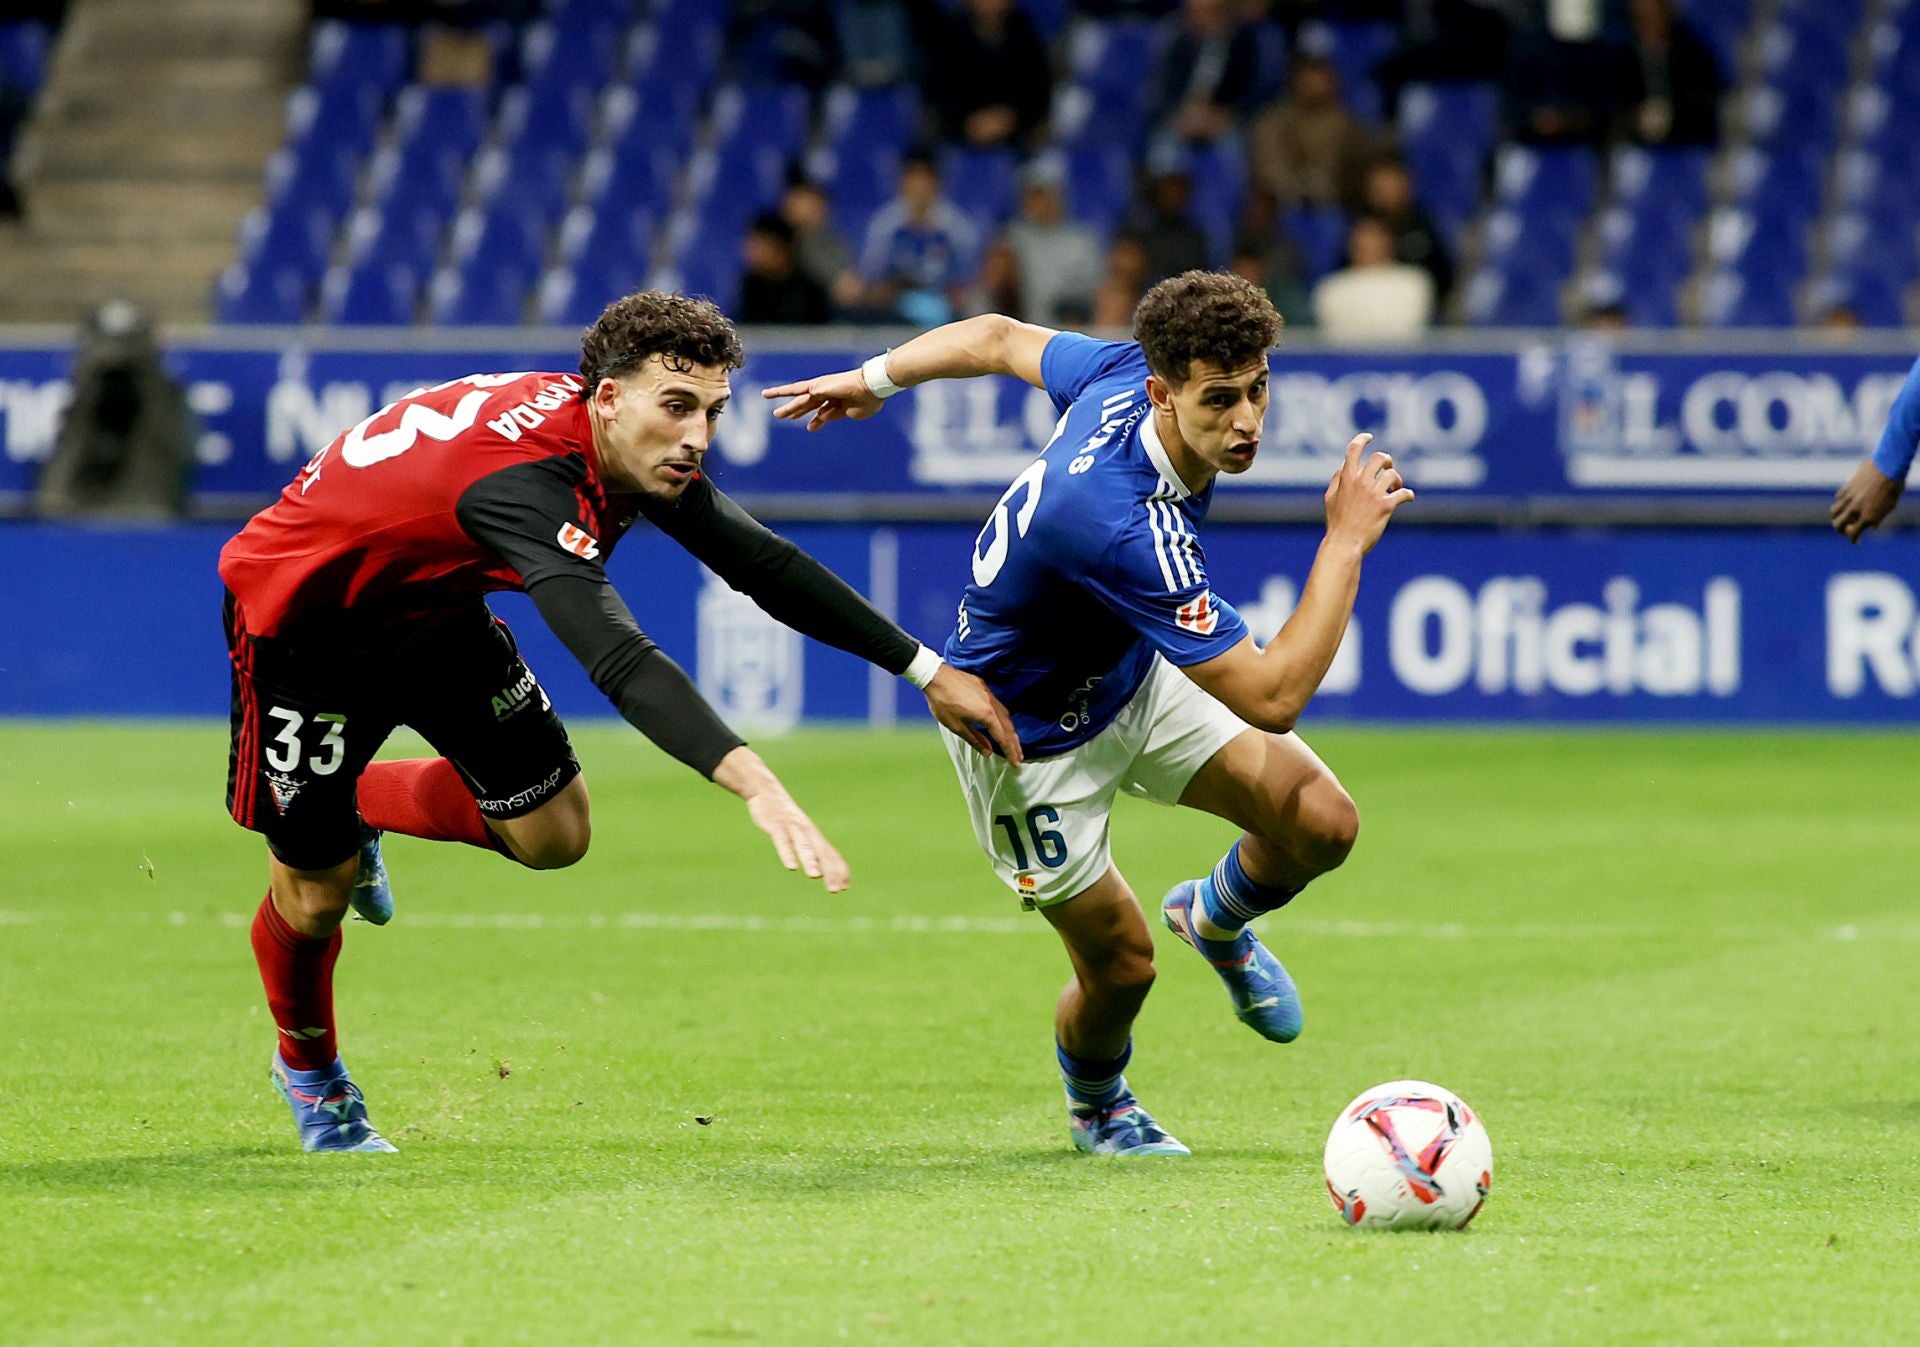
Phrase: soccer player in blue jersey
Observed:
(1874, 489)
(1090, 615)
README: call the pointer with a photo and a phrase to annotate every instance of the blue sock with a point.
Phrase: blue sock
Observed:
(1093, 1087)
(1231, 900)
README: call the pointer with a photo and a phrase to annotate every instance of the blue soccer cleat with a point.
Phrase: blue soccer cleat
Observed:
(1123, 1129)
(1263, 995)
(372, 896)
(327, 1108)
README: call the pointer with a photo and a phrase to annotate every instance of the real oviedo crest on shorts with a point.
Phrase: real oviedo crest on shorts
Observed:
(578, 541)
(1200, 616)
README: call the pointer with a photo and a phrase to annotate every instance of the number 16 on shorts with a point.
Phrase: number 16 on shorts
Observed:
(1048, 846)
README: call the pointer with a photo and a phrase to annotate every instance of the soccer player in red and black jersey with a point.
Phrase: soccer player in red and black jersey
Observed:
(356, 604)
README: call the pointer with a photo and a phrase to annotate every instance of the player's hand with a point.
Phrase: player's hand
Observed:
(968, 707)
(1867, 498)
(800, 844)
(826, 399)
(1363, 495)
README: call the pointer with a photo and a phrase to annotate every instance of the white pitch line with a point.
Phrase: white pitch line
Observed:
(801, 924)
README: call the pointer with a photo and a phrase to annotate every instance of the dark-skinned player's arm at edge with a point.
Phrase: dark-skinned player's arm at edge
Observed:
(788, 585)
(1869, 495)
(517, 513)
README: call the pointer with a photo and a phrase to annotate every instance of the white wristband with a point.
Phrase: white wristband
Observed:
(925, 665)
(875, 374)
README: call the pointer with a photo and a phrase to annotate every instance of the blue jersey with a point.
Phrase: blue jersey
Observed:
(1091, 561)
(1894, 454)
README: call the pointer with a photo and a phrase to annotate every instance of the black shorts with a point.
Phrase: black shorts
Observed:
(311, 710)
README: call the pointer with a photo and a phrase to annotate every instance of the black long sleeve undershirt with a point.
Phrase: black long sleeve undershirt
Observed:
(788, 585)
(519, 512)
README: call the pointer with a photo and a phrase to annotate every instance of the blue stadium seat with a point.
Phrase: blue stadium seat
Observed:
(660, 114)
(885, 118)
(313, 177)
(1872, 300)
(373, 55)
(859, 181)
(1729, 299)
(705, 260)
(1794, 119)
(981, 182)
(679, 50)
(1660, 179)
(259, 294)
(292, 236)
(1558, 180)
(398, 236)
(477, 296)
(1756, 245)
(637, 174)
(1836, 18)
(344, 119)
(1722, 23)
(1321, 233)
(501, 237)
(1861, 246)
(1083, 119)
(611, 241)
(1536, 246)
(25, 49)
(574, 53)
(1777, 184)
(1645, 249)
(1497, 298)
(774, 115)
(731, 185)
(1355, 48)
(1099, 186)
(378, 294)
(1809, 58)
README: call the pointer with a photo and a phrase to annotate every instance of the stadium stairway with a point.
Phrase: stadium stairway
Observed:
(143, 153)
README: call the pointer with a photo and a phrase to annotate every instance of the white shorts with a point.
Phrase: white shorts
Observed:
(1045, 826)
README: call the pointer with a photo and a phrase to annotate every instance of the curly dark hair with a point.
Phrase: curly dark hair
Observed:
(1215, 316)
(682, 330)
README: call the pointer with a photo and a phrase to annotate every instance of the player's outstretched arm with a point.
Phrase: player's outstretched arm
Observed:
(801, 845)
(1271, 687)
(989, 344)
(1874, 489)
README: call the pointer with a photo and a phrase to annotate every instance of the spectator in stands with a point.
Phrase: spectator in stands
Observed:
(1307, 148)
(1207, 74)
(1375, 297)
(1271, 265)
(996, 288)
(818, 247)
(1119, 293)
(878, 44)
(1668, 81)
(1169, 240)
(1445, 40)
(1558, 79)
(1266, 254)
(774, 289)
(921, 250)
(783, 42)
(1059, 260)
(1388, 196)
(987, 76)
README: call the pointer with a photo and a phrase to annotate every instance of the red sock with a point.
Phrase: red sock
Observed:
(297, 971)
(423, 797)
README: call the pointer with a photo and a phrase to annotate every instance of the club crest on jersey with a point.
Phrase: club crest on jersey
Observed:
(578, 541)
(284, 788)
(1200, 616)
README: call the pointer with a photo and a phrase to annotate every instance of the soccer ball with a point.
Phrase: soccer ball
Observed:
(1408, 1155)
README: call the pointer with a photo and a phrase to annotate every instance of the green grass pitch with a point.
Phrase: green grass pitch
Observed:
(674, 1095)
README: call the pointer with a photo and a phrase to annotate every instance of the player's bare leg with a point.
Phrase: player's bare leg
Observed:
(1298, 823)
(296, 939)
(553, 836)
(1111, 949)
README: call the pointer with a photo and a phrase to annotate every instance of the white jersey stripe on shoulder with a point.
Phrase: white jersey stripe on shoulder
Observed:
(1125, 395)
(1186, 547)
(1160, 549)
(1170, 530)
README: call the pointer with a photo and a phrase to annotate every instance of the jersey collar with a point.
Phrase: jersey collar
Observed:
(1157, 454)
